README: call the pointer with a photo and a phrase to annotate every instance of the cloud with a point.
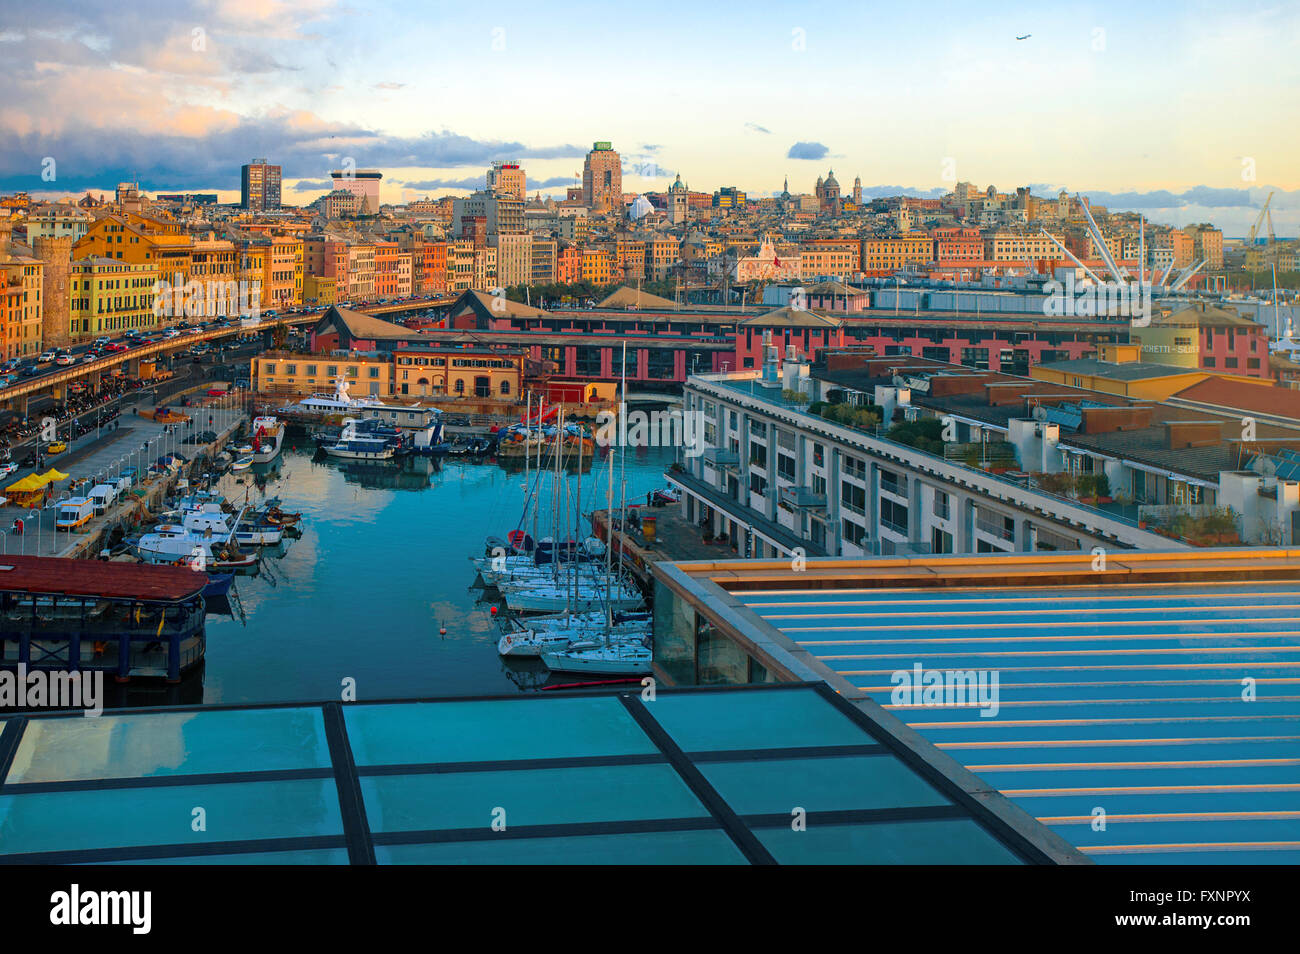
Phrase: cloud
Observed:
(389, 86)
(429, 185)
(650, 147)
(755, 127)
(807, 150)
(302, 143)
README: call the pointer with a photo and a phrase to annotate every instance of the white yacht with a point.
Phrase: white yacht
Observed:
(607, 659)
(352, 445)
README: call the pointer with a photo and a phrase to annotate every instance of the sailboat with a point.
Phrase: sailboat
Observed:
(624, 654)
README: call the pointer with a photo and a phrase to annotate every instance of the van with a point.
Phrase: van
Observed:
(123, 484)
(128, 477)
(103, 496)
(74, 512)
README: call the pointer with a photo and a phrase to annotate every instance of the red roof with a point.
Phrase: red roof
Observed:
(1262, 398)
(65, 577)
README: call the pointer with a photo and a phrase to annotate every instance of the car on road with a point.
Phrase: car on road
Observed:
(48, 355)
(171, 333)
(7, 469)
(64, 360)
(89, 356)
(32, 371)
(101, 341)
(55, 447)
(114, 347)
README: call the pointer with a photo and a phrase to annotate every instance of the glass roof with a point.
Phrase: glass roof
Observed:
(1125, 718)
(695, 776)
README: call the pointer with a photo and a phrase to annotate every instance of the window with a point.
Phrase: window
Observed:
(785, 467)
(505, 387)
(460, 385)
(891, 483)
(757, 455)
(853, 497)
(853, 533)
(941, 509)
(855, 468)
(757, 484)
(893, 515)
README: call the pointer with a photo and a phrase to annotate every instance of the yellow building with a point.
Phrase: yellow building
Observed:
(213, 260)
(283, 372)
(109, 297)
(282, 272)
(459, 372)
(116, 238)
(460, 266)
(1020, 247)
(597, 266)
(1118, 369)
(319, 290)
(912, 248)
(251, 268)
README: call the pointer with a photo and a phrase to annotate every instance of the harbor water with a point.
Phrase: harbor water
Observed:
(381, 567)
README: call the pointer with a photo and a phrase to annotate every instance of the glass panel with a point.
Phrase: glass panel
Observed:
(766, 719)
(490, 731)
(820, 785)
(311, 856)
(642, 848)
(111, 818)
(170, 743)
(940, 842)
(536, 797)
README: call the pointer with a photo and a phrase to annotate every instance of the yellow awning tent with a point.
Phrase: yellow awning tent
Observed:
(33, 482)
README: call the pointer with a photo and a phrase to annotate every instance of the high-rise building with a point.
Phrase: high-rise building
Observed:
(364, 184)
(507, 177)
(259, 186)
(602, 177)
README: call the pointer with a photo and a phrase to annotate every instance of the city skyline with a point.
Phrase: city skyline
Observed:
(308, 85)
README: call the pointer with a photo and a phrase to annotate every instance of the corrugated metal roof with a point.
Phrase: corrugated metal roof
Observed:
(55, 575)
(1124, 702)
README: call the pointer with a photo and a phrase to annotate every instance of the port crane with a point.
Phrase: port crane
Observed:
(1265, 215)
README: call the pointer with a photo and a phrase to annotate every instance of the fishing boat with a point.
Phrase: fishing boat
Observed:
(268, 438)
(355, 445)
(258, 534)
(242, 464)
(218, 584)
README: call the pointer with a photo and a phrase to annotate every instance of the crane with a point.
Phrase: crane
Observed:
(1264, 215)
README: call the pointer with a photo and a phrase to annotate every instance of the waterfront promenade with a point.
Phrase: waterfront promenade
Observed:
(135, 442)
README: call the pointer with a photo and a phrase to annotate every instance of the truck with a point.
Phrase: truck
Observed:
(103, 497)
(74, 512)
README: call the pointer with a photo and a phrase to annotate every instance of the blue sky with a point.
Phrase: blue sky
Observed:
(1173, 106)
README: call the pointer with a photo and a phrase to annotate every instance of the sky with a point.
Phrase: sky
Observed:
(1185, 111)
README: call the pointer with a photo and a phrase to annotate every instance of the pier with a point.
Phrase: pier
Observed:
(675, 539)
(137, 441)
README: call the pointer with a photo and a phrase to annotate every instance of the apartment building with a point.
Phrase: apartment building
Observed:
(108, 297)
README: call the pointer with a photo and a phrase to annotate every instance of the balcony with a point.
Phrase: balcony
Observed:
(719, 457)
(802, 498)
